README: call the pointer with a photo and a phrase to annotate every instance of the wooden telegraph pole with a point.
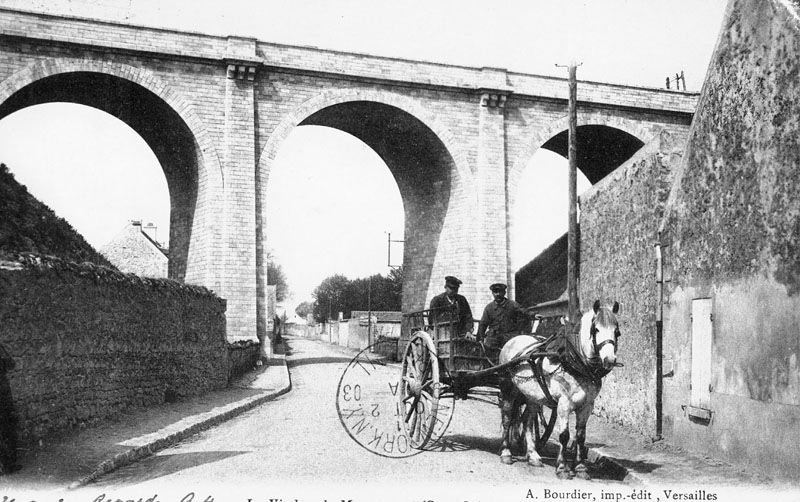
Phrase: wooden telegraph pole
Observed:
(572, 236)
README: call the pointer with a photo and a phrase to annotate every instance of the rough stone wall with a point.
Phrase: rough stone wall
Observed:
(619, 227)
(532, 122)
(242, 357)
(544, 278)
(89, 343)
(733, 235)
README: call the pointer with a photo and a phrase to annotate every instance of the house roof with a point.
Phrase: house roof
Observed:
(382, 316)
(163, 250)
(133, 251)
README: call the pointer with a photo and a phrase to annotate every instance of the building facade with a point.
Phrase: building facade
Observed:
(134, 250)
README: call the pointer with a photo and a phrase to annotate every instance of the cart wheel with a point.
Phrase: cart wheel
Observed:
(419, 389)
(542, 428)
(543, 425)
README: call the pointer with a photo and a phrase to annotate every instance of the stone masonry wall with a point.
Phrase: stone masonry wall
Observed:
(732, 239)
(89, 343)
(619, 224)
(189, 88)
(240, 97)
(173, 43)
(242, 357)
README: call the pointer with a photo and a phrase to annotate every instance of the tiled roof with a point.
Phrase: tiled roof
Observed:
(133, 251)
(382, 316)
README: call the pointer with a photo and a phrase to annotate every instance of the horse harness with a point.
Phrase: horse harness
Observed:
(571, 359)
(593, 333)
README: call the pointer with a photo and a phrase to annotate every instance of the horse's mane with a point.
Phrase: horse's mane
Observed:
(605, 318)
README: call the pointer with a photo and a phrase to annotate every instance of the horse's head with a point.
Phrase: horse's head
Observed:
(603, 335)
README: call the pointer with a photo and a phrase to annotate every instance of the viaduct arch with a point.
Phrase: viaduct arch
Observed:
(428, 166)
(603, 143)
(169, 126)
(215, 110)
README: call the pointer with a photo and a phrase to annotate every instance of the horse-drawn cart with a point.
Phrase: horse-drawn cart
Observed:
(438, 365)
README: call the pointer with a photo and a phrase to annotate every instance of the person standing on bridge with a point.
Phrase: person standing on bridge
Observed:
(502, 319)
(451, 301)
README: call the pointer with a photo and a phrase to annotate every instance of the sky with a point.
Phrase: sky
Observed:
(98, 174)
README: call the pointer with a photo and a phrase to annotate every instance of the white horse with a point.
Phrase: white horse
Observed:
(572, 382)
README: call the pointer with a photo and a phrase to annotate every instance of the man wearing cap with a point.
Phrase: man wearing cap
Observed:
(502, 319)
(451, 300)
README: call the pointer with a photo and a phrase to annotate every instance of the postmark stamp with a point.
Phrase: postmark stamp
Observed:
(393, 410)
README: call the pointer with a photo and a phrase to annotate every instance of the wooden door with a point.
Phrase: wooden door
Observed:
(702, 335)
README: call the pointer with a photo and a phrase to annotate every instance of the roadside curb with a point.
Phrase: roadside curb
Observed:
(210, 419)
(205, 421)
(605, 462)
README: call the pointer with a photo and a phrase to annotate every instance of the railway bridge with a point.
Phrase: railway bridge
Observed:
(216, 109)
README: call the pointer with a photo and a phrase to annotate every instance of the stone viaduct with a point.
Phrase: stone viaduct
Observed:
(216, 109)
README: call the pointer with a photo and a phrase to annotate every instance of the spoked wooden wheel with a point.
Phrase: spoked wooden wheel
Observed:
(542, 424)
(419, 390)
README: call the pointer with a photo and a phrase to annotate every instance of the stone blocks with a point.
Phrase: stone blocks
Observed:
(237, 98)
(89, 342)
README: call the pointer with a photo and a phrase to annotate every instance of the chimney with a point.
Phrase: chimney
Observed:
(150, 230)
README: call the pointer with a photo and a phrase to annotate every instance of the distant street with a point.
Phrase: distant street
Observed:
(299, 437)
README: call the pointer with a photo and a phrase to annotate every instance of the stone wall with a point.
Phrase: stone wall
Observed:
(732, 235)
(619, 228)
(89, 342)
(242, 357)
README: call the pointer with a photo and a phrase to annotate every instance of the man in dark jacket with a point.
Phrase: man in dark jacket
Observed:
(8, 419)
(451, 301)
(502, 319)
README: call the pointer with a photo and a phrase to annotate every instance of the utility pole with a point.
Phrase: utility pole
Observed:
(680, 78)
(572, 235)
(369, 313)
(330, 319)
(389, 242)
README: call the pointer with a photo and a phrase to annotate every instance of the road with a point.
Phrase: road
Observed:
(300, 438)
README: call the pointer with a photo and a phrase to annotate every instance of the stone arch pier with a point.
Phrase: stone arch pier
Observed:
(215, 110)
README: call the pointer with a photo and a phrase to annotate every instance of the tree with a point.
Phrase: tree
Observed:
(329, 296)
(276, 277)
(304, 309)
(337, 294)
(395, 285)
